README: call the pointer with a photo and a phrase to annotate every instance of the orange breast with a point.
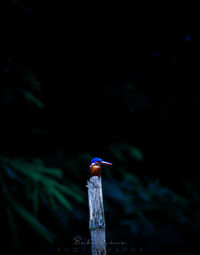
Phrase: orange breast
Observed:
(95, 170)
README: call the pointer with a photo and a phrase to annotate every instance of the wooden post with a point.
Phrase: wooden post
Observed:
(97, 221)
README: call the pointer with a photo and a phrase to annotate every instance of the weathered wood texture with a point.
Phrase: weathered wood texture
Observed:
(97, 221)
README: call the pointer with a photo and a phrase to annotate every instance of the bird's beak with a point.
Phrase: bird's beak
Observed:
(106, 163)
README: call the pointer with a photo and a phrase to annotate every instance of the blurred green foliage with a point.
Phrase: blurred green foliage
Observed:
(27, 183)
(143, 209)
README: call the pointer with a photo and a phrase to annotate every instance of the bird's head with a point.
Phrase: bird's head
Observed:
(99, 161)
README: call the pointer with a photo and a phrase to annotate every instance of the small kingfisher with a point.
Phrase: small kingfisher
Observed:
(95, 166)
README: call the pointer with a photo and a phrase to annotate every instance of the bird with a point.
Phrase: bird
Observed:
(95, 166)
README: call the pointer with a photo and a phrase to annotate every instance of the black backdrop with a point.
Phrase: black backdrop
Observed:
(112, 74)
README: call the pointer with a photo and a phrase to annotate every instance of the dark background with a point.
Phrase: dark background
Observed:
(113, 79)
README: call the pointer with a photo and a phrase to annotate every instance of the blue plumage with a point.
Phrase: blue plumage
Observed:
(96, 159)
